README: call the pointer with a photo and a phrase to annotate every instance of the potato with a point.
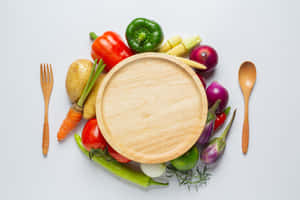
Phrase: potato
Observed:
(89, 109)
(77, 76)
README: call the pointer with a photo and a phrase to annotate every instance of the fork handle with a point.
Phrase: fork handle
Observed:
(45, 136)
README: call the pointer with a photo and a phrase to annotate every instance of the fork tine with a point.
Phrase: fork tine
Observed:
(41, 75)
(44, 73)
(51, 74)
(48, 74)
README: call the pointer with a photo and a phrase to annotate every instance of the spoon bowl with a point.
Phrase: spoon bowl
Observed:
(247, 78)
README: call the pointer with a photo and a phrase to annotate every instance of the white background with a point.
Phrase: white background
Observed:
(265, 32)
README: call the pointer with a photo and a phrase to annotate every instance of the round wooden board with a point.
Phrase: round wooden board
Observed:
(151, 108)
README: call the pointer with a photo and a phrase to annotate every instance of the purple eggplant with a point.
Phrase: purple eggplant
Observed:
(207, 133)
(210, 122)
(216, 146)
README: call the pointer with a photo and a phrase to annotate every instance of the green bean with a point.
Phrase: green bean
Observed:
(119, 169)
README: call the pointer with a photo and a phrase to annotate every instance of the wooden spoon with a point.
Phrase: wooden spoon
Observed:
(247, 78)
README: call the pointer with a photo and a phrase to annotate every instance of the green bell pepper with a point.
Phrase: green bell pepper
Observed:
(144, 35)
(187, 161)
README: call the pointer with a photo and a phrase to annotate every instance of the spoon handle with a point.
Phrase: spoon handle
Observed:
(245, 136)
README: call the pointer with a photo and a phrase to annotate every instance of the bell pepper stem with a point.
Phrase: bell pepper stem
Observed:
(141, 37)
(93, 35)
(224, 134)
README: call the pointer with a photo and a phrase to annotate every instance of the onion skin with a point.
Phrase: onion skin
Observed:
(205, 55)
(214, 92)
(153, 170)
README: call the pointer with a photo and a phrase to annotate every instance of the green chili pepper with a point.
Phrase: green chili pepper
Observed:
(119, 169)
(144, 35)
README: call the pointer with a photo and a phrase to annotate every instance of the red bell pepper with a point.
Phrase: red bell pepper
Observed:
(110, 47)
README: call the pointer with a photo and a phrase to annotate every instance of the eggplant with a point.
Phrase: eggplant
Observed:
(209, 127)
(216, 146)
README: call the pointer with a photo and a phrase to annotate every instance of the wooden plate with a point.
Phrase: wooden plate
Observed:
(151, 108)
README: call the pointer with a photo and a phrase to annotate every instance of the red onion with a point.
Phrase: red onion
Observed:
(214, 92)
(205, 55)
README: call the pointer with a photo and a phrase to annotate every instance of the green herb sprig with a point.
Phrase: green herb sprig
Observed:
(197, 177)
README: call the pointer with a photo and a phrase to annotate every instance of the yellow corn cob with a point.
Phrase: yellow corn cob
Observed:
(170, 43)
(185, 46)
(191, 63)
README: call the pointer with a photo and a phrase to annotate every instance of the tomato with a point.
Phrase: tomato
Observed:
(111, 48)
(92, 137)
(118, 157)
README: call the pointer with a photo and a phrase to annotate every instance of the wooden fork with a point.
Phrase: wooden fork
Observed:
(47, 85)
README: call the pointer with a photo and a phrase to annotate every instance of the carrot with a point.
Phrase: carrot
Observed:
(70, 122)
(75, 113)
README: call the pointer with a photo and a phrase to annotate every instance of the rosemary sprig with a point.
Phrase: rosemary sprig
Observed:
(197, 177)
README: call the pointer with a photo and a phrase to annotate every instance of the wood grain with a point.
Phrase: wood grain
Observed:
(245, 134)
(247, 79)
(46, 78)
(151, 108)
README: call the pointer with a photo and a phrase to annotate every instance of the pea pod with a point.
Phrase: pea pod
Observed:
(119, 169)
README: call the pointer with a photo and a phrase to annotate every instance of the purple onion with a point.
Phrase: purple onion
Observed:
(207, 132)
(205, 55)
(214, 92)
